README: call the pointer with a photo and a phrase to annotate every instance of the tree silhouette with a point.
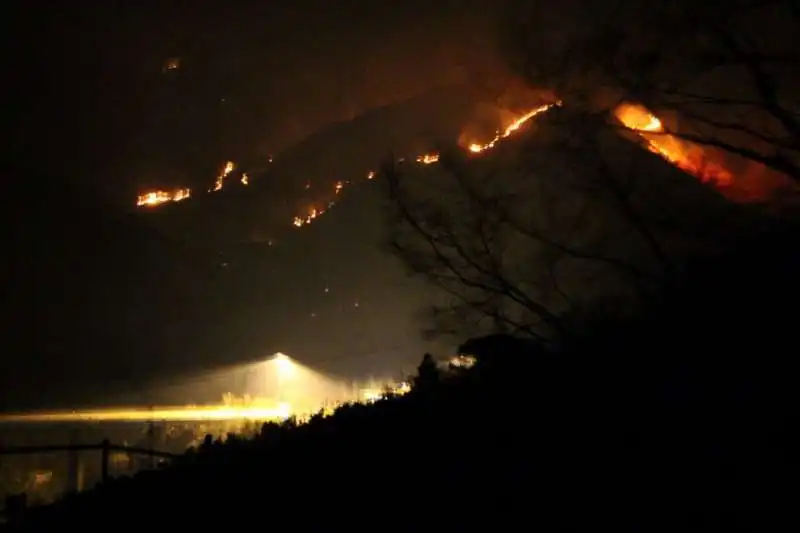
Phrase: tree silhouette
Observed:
(720, 79)
(562, 221)
(500, 350)
(428, 374)
(585, 214)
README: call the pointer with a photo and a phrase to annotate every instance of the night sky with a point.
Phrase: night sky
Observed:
(254, 78)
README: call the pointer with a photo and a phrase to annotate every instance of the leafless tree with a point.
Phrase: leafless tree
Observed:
(573, 220)
(547, 228)
(726, 75)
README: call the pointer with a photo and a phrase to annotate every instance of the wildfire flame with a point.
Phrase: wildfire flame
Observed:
(476, 148)
(220, 181)
(313, 212)
(427, 159)
(430, 158)
(154, 198)
(688, 156)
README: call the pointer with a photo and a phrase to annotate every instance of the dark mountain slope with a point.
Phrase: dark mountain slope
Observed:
(84, 281)
(344, 151)
(571, 180)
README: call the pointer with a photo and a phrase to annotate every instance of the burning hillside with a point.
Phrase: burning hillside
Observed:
(334, 286)
(687, 156)
(154, 198)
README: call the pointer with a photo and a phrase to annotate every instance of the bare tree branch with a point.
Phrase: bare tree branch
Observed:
(505, 253)
(462, 250)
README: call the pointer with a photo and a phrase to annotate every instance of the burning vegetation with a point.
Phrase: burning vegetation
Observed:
(220, 181)
(690, 157)
(154, 198)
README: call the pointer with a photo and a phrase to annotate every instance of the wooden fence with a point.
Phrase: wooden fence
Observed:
(17, 504)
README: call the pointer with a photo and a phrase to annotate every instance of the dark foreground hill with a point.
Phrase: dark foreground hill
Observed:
(679, 420)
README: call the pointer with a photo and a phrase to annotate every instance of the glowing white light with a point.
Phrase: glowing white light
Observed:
(286, 366)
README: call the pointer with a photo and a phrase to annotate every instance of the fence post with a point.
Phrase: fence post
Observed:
(106, 452)
(74, 473)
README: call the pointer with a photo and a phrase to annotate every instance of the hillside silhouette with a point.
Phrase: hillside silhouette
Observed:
(679, 419)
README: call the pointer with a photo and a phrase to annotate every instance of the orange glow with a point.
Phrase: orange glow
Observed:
(310, 215)
(154, 198)
(476, 148)
(431, 158)
(220, 181)
(173, 63)
(427, 159)
(313, 212)
(689, 157)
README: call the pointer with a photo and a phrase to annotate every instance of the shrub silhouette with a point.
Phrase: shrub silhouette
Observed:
(428, 374)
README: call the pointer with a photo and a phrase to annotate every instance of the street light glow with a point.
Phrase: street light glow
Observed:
(273, 388)
(286, 367)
